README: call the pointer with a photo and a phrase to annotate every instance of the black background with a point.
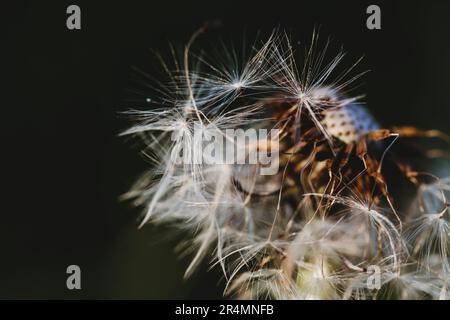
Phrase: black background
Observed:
(64, 166)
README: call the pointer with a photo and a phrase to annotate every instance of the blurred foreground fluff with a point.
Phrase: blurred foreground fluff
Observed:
(351, 213)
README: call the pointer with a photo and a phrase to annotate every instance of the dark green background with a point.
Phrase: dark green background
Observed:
(64, 166)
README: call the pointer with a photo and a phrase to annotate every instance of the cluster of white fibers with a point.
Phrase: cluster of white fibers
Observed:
(289, 235)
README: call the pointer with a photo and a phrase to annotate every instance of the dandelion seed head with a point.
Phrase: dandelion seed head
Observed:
(312, 229)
